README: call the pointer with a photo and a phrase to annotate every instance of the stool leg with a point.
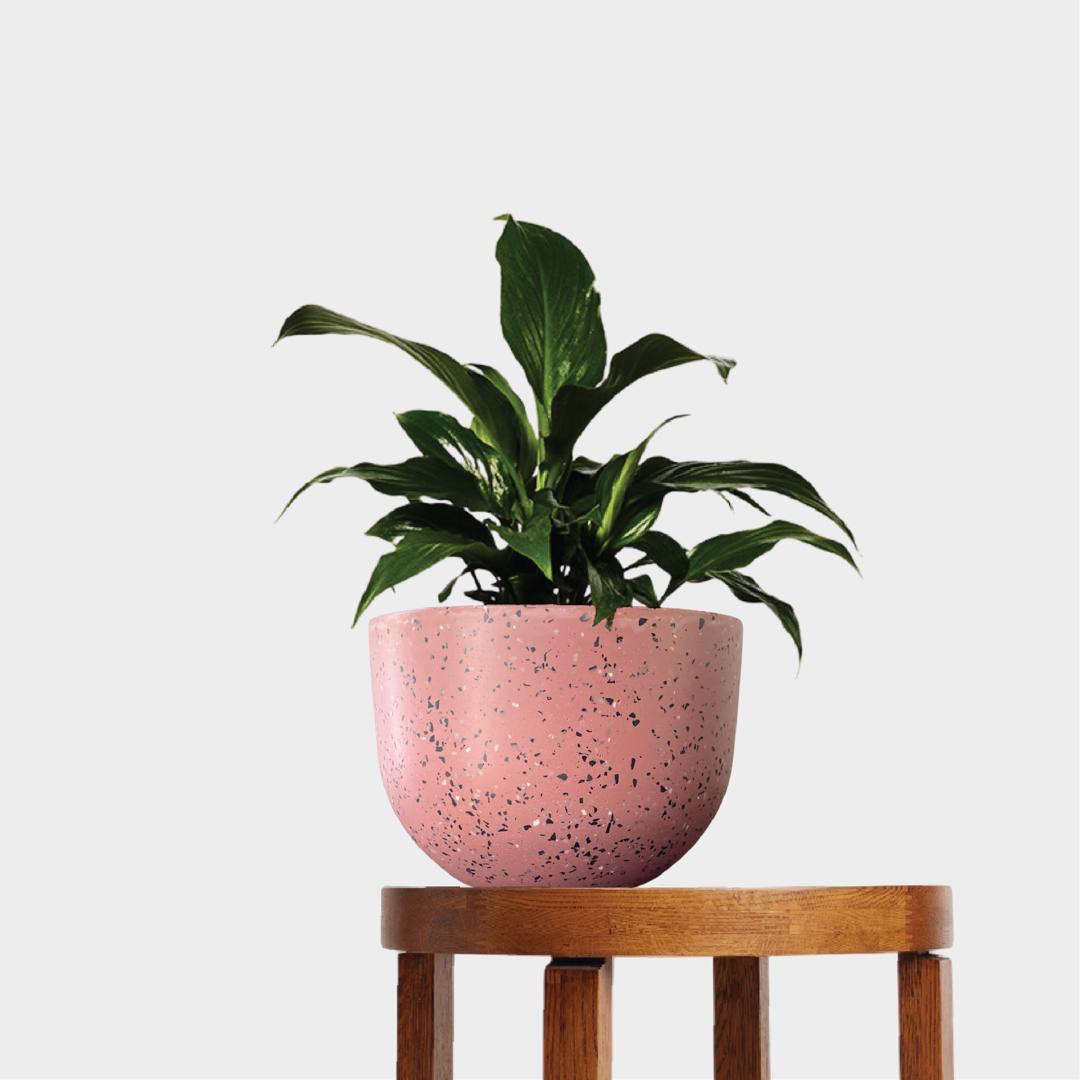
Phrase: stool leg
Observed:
(425, 1016)
(577, 1019)
(741, 1013)
(926, 1040)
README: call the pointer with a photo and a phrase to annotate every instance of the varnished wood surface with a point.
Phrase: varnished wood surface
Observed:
(425, 1017)
(577, 1019)
(926, 1039)
(741, 1026)
(668, 922)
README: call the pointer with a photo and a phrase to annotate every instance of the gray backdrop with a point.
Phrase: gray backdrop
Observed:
(871, 206)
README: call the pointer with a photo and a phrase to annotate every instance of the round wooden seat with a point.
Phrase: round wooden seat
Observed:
(597, 922)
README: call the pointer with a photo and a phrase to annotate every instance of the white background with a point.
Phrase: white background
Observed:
(872, 206)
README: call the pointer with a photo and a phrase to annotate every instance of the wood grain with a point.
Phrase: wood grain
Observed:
(668, 922)
(425, 1017)
(741, 1011)
(577, 1019)
(926, 1038)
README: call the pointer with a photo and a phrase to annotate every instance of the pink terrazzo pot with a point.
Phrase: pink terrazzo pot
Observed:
(525, 746)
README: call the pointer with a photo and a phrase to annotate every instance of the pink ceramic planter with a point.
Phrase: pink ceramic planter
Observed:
(525, 746)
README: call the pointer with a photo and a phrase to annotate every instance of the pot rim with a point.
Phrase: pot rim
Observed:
(636, 612)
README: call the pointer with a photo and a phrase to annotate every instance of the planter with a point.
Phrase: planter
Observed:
(525, 746)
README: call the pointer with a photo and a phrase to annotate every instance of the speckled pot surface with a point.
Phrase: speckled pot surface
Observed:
(525, 746)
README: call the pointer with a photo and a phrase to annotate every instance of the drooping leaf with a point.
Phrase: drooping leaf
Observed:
(608, 588)
(484, 596)
(533, 540)
(644, 590)
(575, 406)
(668, 554)
(746, 588)
(416, 552)
(613, 482)
(448, 588)
(441, 437)
(586, 466)
(730, 551)
(550, 311)
(731, 475)
(748, 499)
(477, 392)
(421, 517)
(415, 478)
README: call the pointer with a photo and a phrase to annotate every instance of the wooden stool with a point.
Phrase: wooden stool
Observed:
(583, 929)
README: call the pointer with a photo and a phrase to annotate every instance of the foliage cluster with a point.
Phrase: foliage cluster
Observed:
(507, 495)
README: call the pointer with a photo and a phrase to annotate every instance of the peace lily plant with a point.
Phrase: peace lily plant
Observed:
(505, 493)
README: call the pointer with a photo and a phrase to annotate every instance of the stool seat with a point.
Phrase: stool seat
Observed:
(668, 922)
(583, 930)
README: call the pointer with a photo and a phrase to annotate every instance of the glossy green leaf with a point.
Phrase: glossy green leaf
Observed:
(730, 551)
(484, 399)
(442, 438)
(613, 482)
(668, 554)
(635, 519)
(748, 499)
(550, 311)
(575, 406)
(421, 517)
(747, 589)
(533, 540)
(608, 588)
(448, 588)
(415, 478)
(526, 434)
(415, 553)
(732, 475)
(644, 591)
(579, 487)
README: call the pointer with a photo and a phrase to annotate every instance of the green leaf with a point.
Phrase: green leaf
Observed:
(484, 399)
(636, 518)
(550, 311)
(748, 499)
(644, 590)
(416, 552)
(613, 483)
(608, 588)
(440, 436)
(668, 554)
(746, 588)
(729, 475)
(730, 551)
(484, 596)
(546, 497)
(579, 486)
(414, 478)
(420, 517)
(575, 406)
(534, 540)
(448, 588)
(527, 436)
